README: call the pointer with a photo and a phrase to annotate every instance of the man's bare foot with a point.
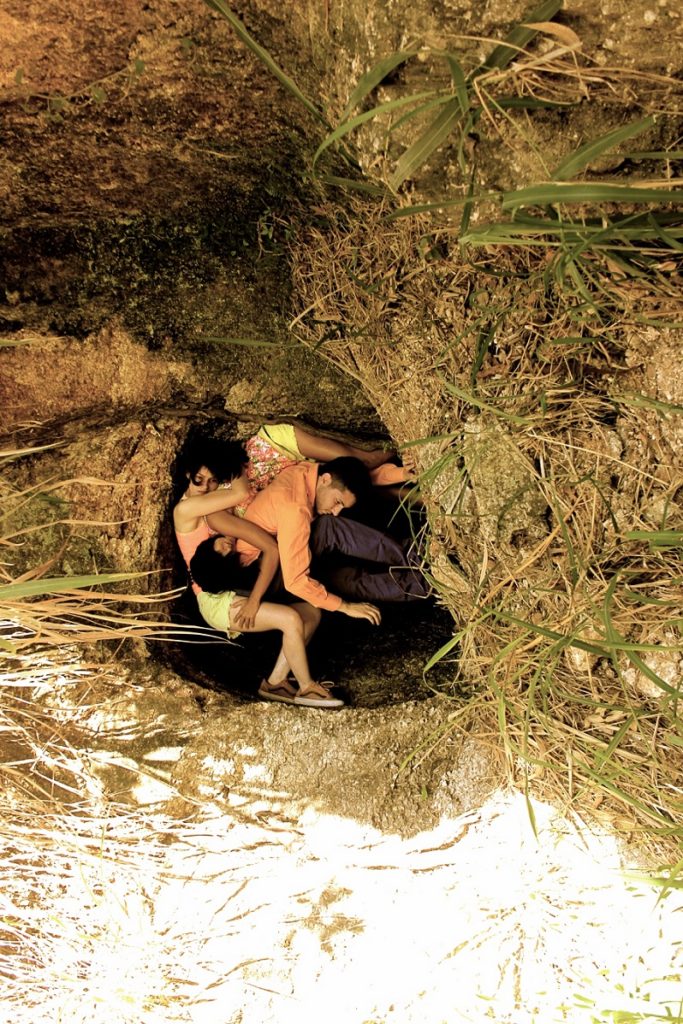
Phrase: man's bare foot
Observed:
(375, 458)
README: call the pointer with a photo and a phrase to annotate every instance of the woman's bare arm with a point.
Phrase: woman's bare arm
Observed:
(187, 512)
(241, 529)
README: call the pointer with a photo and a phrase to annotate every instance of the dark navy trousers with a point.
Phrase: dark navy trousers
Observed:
(363, 564)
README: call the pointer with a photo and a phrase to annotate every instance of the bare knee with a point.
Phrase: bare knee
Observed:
(292, 625)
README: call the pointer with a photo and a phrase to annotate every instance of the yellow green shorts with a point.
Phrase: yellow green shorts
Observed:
(282, 437)
(215, 609)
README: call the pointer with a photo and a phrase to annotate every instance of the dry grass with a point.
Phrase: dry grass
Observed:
(555, 533)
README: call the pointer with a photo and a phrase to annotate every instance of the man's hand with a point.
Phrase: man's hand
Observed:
(361, 610)
(246, 615)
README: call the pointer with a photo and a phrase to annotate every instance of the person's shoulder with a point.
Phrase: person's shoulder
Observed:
(293, 477)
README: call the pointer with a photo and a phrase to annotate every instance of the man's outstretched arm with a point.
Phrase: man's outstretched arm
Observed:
(293, 536)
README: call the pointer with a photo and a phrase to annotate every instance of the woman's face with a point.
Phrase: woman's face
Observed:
(201, 482)
(223, 545)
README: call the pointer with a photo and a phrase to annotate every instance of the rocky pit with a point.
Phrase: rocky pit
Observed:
(205, 855)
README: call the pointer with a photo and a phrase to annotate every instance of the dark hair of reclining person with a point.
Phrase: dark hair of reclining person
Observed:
(216, 573)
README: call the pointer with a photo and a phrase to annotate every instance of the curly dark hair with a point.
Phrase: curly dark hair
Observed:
(216, 573)
(224, 459)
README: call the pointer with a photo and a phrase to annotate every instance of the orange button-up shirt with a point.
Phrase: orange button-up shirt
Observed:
(285, 509)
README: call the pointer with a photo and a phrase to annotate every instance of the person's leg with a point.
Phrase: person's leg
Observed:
(288, 621)
(398, 579)
(340, 536)
(324, 449)
(355, 583)
(310, 617)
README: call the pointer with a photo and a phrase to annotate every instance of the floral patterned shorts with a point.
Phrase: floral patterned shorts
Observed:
(270, 451)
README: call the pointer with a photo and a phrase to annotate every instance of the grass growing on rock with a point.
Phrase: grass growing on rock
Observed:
(555, 533)
(513, 338)
(521, 360)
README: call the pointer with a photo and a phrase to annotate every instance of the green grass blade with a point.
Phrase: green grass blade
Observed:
(343, 129)
(649, 811)
(479, 403)
(423, 147)
(600, 648)
(616, 641)
(657, 538)
(645, 402)
(669, 237)
(528, 103)
(518, 38)
(543, 195)
(443, 651)
(58, 584)
(553, 234)
(241, 32)
(459, 83)
(422, 109)
(581, 157)
(658, 154)
(469, 206)
(372, 78)
(483, 345)
(411, 211)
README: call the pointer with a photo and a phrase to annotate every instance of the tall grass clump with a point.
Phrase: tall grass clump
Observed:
(513, 338)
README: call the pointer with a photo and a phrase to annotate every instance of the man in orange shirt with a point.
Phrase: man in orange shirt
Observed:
(287, 509)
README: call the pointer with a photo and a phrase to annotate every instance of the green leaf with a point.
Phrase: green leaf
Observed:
(518, 38)
(18, 76)
(372, 78)
(98, 94)
(422, 149)
(543, 195)
(438, 101)
(529, 103)
(368, 115)
(581, 157)
(138, 66)
(57, 584)
(658, 538)
(658, 154)
(460, 83)
(645, 402)
(410, 211)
